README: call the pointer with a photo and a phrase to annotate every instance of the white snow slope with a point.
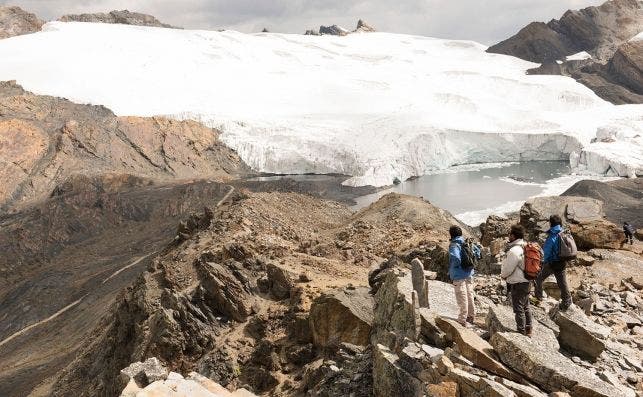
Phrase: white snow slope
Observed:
(375, 106)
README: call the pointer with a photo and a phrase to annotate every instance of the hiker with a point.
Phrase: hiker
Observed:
(513, 272)
(629, 233)
(554, 264)
(462, 258)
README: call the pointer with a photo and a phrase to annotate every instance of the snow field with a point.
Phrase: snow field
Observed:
(374, 106)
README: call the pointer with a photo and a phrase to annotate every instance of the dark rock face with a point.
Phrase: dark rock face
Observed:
(333, 30)
(597, 30)
(622, 199)
(614, 74)
(15, 21)
(123, 17)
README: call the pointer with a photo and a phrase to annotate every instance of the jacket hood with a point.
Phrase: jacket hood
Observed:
(514, 243)
(555, 230)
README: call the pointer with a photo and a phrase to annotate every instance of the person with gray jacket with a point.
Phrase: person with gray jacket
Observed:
(512, 272)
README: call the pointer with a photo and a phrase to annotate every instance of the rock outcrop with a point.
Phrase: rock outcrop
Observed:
(342, 316)
(614, 72)
(15, 21)
(335, 30)
(622, 199)
(123, 17)
(49, 139)
(474, 348)
(597, 30)
(579, 334)
(364, 27)
(151, 378)
(548, 368)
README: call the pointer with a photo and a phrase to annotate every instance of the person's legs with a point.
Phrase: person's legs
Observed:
(528, 317)
(517, 304)
(471, 308)
(460, 289)
(565, 296)
(545, 272)
(520, 299)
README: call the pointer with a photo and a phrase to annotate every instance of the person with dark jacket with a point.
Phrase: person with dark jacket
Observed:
(512, 271)
(629, 233)
(462, 278)
(552, 264)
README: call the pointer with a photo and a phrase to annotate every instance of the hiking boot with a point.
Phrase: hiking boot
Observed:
(470, 320)
(564, 306)
(528, 332)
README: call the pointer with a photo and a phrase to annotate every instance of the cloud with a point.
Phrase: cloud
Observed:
(486, 21)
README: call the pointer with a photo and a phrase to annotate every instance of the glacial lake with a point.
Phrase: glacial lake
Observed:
(473, 192)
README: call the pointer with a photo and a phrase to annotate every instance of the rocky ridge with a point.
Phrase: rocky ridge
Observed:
(614, 67)
(249, 279)
(335, 30)
(15, 21)
(268, 278)
(44, 140)
(123, 17)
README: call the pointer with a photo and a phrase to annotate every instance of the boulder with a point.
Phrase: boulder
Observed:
(389, 379)
(280, 281)
(342, 315)
(535, 213)
(209, 384)
(495, 227)
(443, 389)
(143, 373)
(467, 382)
(579, 334)
(474, 348)
(549, 369)
(226, 288)
(522, 390)
(420, 284)
(598, 233)
(395, 313)
(442, 303)
(501, 319)
(131, 389)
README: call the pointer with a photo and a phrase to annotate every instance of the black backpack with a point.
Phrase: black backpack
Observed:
(468, 257)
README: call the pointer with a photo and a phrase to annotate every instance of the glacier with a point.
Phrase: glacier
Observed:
(375, 106)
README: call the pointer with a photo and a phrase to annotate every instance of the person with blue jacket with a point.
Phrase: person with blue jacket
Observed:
(462, 278)
(552, 264)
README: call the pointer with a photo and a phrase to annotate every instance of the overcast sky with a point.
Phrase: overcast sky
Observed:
(486, 21)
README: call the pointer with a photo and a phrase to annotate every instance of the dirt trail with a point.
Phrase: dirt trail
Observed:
(53, 316)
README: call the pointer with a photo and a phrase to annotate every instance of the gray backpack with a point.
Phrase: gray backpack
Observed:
(566, 246)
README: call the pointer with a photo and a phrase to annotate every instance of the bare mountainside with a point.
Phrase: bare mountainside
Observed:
(15, 21)
(44, 140)
(613, 67)
(123, 17)
(65, 259)
(256, 247)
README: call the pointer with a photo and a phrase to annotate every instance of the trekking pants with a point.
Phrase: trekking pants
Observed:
(464, 298)
(520, 303)
(558, 270)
